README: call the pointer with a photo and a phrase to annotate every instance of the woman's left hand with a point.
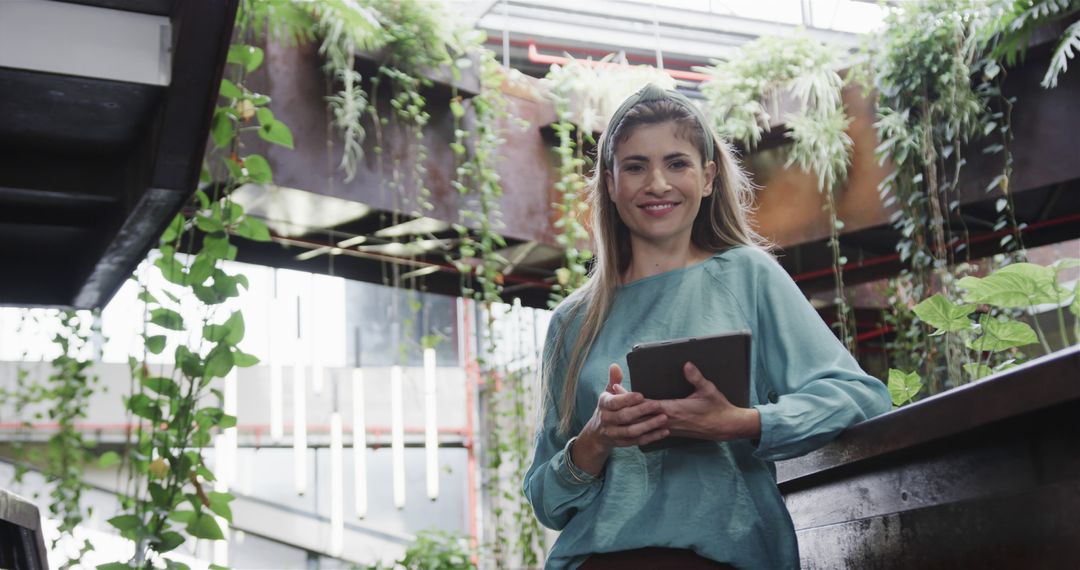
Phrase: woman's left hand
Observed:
(707, 413)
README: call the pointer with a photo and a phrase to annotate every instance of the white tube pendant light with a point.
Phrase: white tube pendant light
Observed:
(431, 425)
(359, 443)
(277, 423)
(300, 428)
(397, 436)
(337, 484)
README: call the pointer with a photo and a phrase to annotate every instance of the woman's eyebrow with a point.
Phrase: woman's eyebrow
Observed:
(644, 158)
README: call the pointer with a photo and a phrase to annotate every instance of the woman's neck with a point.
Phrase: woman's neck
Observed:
(652, 258)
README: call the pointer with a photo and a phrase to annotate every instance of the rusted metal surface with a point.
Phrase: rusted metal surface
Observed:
(985, 476)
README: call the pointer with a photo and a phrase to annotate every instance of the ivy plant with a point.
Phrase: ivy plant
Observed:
(745, 92)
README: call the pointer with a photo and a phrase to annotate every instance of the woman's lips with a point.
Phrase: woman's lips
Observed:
(658, 209)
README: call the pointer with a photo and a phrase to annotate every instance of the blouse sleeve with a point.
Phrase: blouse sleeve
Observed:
(555, 487)
(817, 387)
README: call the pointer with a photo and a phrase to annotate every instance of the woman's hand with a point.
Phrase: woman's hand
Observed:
(621, 419)
(707, 413)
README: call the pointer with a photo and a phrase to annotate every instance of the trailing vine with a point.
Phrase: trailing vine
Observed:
(66, 394)
(166, 499)
(743, 96)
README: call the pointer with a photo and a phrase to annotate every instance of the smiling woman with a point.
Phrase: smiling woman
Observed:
(677, 258)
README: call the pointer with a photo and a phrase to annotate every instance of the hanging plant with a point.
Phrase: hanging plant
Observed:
(167, 498)
(743, 96)
(65, 394)
(584, 95)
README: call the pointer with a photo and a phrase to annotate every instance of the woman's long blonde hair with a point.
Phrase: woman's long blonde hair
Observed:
(721, 223)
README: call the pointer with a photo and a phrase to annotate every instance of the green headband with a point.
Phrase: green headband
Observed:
(653, 92)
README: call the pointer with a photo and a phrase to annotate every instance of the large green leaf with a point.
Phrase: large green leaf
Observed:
(1000, 335)
(1018, 285)
(167, 318)
(219, 362)
(204, 526)
(190, 363)
(219, 503)
(169, 541)
(230, 332)
(221, 130)
(244, 360)
(173, 231)
(108, 459)
(161, 385)
(215, 245)
(258, 169)
(155, 343)
(903, 386)
(276, 132)
(938, 312)
(250, 57)
(125, 522)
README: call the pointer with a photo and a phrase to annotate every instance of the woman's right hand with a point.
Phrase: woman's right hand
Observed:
(621, 419)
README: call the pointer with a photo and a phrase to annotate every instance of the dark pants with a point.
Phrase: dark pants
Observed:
(652, 558)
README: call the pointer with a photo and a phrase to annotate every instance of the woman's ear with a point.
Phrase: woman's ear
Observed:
(609, 182)
(710, 175)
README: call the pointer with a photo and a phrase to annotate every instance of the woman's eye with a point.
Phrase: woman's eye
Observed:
(633, 168)
(679, 164)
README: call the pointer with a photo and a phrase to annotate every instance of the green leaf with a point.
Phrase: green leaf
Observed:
(977, 370)
(219, 362)
(1000, 335)
(108, 459)
(185, 517)
(225, 284)
(113, 566)
(155, 344)
(125, 522)
(200, 269)
(205, 526)
(209, 224)
(231, 332)
(169, 541)
(174, 229)
(230, 90)
(215, 245)
(276, 132)
(258, 169)
(167, 318)
(143, 406)
(903, 386)
(221, 129)
(226, 421)
(147, 297)
(219, 503)
(1019, 285)
(938, 312)
(161, 385)
(189, 362)
(204, 200)
(171, 268)
(253, 229)
(244, 360)
(248, 56)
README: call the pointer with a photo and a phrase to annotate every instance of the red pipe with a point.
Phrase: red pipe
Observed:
(471, 372)
(536, 57)
(895, 256)
(639, 59)
(257, 429)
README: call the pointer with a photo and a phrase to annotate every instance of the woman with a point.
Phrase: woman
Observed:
(677, 258)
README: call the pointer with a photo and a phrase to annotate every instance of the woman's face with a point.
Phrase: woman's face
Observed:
(657, 182)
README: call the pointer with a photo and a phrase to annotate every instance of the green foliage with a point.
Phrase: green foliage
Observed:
(434, 549)
(903, 386)
(744, 94)
(65, 393)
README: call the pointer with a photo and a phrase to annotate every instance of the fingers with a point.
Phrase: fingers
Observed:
(631, 434)
(693, 375)
(615, 378)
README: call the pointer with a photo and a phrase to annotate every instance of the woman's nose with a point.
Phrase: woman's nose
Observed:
(657, 182)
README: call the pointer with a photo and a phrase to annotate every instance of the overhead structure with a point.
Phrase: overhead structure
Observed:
(105, 107)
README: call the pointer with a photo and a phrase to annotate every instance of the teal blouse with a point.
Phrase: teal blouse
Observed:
(719, 499)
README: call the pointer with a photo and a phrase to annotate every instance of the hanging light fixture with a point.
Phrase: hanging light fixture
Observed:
(397, 436)
(277, 424)
(337, 491)
(359, 443)
(431, 426)
(299, 410)
(221, 547)
(277, 325)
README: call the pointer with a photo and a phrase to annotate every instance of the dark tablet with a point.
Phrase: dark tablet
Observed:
(656, 370)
